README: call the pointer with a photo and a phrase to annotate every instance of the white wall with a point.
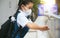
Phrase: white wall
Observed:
(7, 8)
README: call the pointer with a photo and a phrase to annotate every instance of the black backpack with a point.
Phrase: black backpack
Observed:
(7, 27)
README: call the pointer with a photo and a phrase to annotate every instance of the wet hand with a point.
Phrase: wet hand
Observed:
(44, 28)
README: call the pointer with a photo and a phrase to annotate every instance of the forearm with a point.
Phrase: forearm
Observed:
(34, 26)
(37, 27)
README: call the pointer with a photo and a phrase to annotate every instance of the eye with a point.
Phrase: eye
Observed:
(30, 7)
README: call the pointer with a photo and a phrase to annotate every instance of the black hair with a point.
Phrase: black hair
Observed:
(24, 2)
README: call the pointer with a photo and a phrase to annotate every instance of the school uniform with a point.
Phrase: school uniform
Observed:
(21, 20)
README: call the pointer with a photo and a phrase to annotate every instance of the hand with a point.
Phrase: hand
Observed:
(44, 28)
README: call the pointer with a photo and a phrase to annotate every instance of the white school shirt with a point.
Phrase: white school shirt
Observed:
(22, 19)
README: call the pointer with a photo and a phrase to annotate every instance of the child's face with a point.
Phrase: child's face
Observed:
(28, 6)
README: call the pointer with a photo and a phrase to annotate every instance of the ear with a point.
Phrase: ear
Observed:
(22, 5)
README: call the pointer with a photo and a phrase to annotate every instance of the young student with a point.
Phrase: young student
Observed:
(25, 9)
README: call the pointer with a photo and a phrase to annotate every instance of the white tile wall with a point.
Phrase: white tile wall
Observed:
(7, 8)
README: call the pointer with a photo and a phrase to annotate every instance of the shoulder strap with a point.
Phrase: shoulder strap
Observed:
(19, 29)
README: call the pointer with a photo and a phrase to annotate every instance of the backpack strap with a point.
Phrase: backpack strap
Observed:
(19, 28)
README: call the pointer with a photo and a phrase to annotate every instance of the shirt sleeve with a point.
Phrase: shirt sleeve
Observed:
(22, 20)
